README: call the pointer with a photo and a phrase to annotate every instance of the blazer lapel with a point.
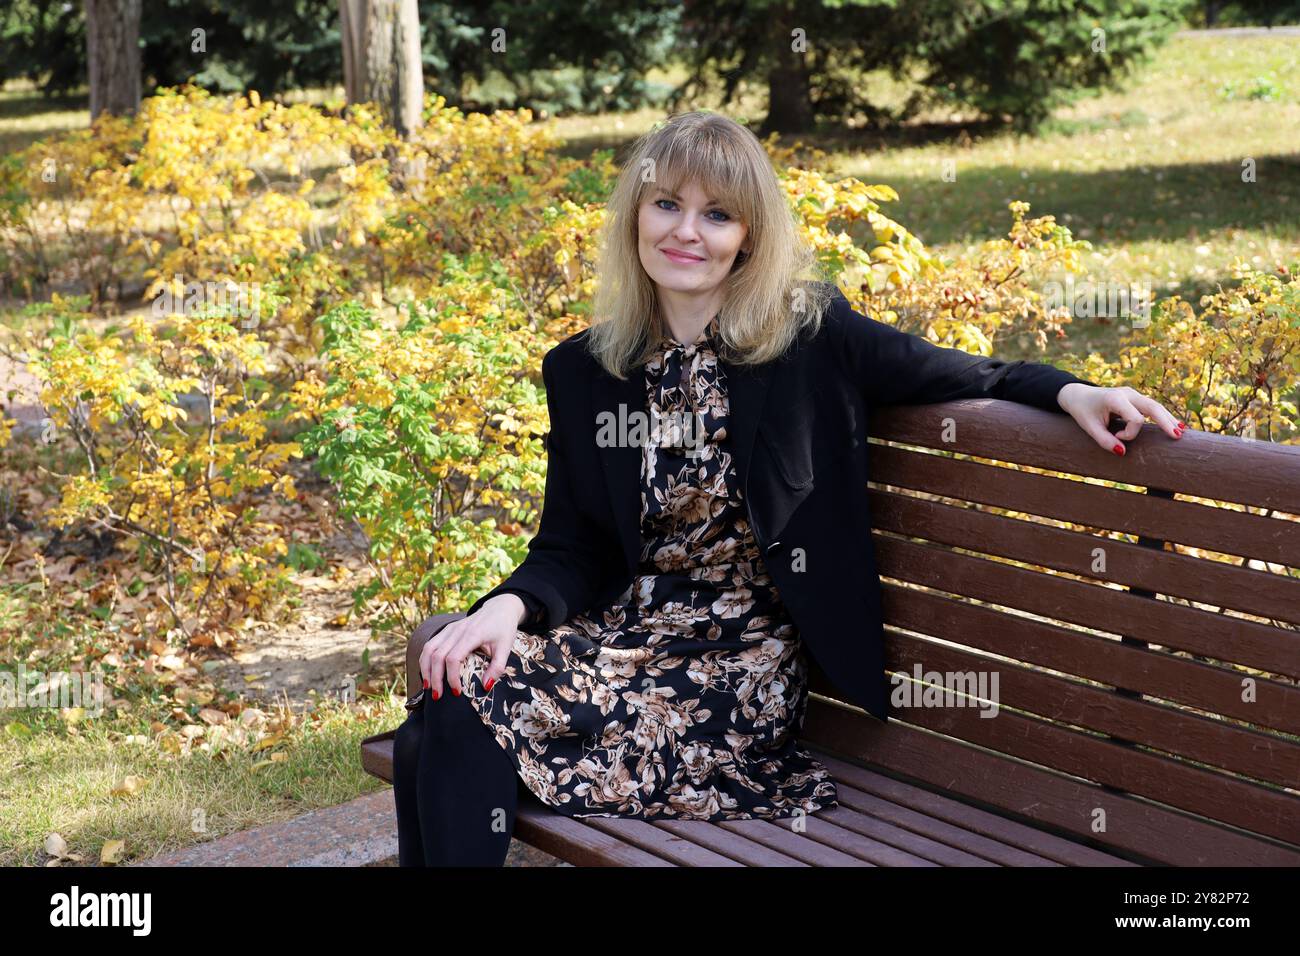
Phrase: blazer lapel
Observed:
(621, 462)
(747, 388)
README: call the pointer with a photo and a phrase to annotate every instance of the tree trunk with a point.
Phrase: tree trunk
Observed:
(789, 99)
(113, 53)
(381, 59)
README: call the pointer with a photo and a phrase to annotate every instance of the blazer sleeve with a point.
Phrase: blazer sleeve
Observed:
(534, 609)
(898, 368)
(570, 556)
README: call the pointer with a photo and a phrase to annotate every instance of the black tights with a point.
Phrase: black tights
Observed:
(455, 787)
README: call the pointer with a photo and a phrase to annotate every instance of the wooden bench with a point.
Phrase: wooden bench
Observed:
(1147, 707)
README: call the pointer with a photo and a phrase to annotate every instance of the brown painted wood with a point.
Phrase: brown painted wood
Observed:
(377, 755)
(1263, 474)
(777, 837)
(727, 844)
(1038, 797)
(1185, 628)
(1259, 593)
(1199, 791)
(869, 841)
(1188, 523)
(1254, 753)
(659, 842)
(995, 838)
(846, 817)
(574, 841)
(939, 832)
(1159, 674)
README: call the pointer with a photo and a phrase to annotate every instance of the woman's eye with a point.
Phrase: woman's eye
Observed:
(711, 212)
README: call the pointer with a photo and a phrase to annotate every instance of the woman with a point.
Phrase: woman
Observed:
(652, 663)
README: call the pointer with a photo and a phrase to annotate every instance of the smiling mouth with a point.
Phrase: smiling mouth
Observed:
(677, 257)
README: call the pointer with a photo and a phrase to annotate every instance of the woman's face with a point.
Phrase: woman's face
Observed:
(687, 242)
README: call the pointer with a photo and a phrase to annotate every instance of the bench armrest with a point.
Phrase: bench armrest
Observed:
(421, 635)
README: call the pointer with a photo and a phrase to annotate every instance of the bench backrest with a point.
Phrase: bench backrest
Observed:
(1144, 636)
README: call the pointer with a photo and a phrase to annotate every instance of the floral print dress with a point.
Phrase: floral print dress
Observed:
(683, 698)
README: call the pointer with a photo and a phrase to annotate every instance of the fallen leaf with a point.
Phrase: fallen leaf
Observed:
(111, 853)
(128, 787)
(55, 845)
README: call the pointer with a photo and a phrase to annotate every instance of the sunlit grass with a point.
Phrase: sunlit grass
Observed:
(76, 782)
(1152, 175)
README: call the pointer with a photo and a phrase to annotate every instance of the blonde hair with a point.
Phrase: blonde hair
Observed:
(768, 297)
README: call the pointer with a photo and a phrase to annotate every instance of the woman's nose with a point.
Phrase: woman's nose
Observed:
(686, 232)
(687, 228)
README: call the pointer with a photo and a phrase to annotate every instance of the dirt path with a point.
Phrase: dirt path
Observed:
(313, 658)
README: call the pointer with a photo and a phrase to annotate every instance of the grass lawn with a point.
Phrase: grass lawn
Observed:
(100, 781)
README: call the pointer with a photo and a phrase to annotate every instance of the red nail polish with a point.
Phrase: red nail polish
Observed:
(456, 691)
(488, 685)
(1118, 449)
(436, 695)
(426, 683)
(1181, 425)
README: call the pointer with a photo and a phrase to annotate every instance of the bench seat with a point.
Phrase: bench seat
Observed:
(881, 821)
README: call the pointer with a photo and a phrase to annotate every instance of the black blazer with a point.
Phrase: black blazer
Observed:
(798, 433)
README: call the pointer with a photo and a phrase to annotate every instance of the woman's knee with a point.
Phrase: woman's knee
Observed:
(406, 742)
(451, 714)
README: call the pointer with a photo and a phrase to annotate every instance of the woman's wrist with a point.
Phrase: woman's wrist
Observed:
(521, 609)
(1068, 391)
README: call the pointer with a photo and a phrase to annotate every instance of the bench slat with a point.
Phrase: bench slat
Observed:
(377, 755)
(809, 851)
(977, 831)
(662, 843)
(846, 817)
(1118, 611)
(731, 845)
(1134, 771)
(574, 841)
(828, 829)
(1264, 474)
(1149, 832)
(1219, 744)
(1160, 674)
(1261, 593)
(939, 832)
(1188, 523)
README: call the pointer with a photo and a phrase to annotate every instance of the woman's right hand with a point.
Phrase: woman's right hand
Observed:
(492, 627)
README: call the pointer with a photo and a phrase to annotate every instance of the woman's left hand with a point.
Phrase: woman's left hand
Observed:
(1092, 408)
